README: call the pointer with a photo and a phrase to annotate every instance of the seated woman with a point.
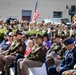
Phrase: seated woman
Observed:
(5, 38)
(7, 44)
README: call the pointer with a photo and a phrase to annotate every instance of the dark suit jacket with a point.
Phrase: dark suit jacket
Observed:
(69, 60)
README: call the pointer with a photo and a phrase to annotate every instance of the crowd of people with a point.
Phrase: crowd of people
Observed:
(55, 46)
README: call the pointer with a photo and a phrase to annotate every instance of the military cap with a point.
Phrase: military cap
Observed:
(38, 36)
(57, 36)
(69, 41)
(45, 35)
(18, 32)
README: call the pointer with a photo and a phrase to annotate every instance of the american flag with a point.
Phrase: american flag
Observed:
(36, 13)
(74, 19)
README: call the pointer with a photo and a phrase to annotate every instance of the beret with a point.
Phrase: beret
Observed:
(69, 41)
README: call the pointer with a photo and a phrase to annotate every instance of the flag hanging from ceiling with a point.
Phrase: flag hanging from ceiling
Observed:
(36, 12)
(74, 19)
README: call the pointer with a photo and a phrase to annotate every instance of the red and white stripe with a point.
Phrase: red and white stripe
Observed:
(36, 14)
(74, 19)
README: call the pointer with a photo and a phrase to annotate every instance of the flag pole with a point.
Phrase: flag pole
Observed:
(36, 12)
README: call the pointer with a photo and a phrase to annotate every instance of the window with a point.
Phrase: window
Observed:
(26, 15)
(57, 14)
(73, 8)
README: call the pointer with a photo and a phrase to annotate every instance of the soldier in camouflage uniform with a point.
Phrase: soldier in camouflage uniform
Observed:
(56, 52)
(35, 59)
(6, 58)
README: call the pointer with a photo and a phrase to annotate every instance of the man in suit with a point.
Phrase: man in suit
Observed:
(35, 59)
(68, 61)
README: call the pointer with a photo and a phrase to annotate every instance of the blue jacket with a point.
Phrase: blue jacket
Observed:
(69, 60)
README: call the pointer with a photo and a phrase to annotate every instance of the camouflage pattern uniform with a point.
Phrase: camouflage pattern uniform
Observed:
(37, 52)
(17, 47)
(35, 59)
(58, 49)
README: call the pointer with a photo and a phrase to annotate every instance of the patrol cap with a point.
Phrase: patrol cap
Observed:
(69, 41)
(57, 36)
(18, 32)
(38, 36)
(45, 35)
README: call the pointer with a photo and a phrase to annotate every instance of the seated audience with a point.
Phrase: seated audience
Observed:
(68, 61)
(27, 52)
(35, 59)
(7, 57)
(46, 41)
(5, 39)
(7, 44)
(56, 53)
